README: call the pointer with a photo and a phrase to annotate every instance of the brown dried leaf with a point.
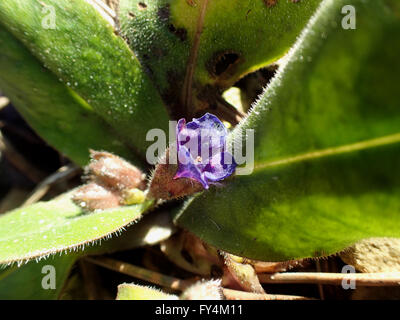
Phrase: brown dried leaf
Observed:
(244, 274)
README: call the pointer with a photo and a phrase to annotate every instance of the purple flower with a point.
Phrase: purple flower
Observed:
(201, 150)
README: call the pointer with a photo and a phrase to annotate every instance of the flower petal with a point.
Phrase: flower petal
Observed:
(201, 150)
(188, 168)
(210, 126)
(222, 165)
(203, 137)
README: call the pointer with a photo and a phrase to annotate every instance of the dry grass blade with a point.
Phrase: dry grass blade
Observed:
(361, 279)
(63, 173)
(241, 295)
(13, 199)
(141, 273)
(19, 161)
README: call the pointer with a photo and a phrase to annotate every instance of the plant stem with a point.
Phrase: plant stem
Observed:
(186, 99)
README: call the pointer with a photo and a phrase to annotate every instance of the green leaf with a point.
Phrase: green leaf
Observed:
(26, 279)
(219, 40)
(130, 291)
(83, 51)
(26, 282)
(59, 225)
(327, 146)
(56, 112)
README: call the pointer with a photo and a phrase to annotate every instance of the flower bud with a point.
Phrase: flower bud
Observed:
(114, 172)
(93, 197)
(112, 182)
(133, 196)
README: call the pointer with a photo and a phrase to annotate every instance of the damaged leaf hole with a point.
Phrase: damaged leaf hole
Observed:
(270, 3)
(191, 3)
(223, 63)
(164, 14)
(181, 33)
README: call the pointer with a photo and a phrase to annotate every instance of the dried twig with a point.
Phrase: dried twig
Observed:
(319, 285)
(242, 295)
(12, 199)
(141, 273)
(91, 280)
(19, 161)
(178, 284)
(361, 279)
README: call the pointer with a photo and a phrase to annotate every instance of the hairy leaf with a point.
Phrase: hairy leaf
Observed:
(85, 54)
(56, 112)
(27, 281)
(48, 227)
(130, 291)
(27, 278)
